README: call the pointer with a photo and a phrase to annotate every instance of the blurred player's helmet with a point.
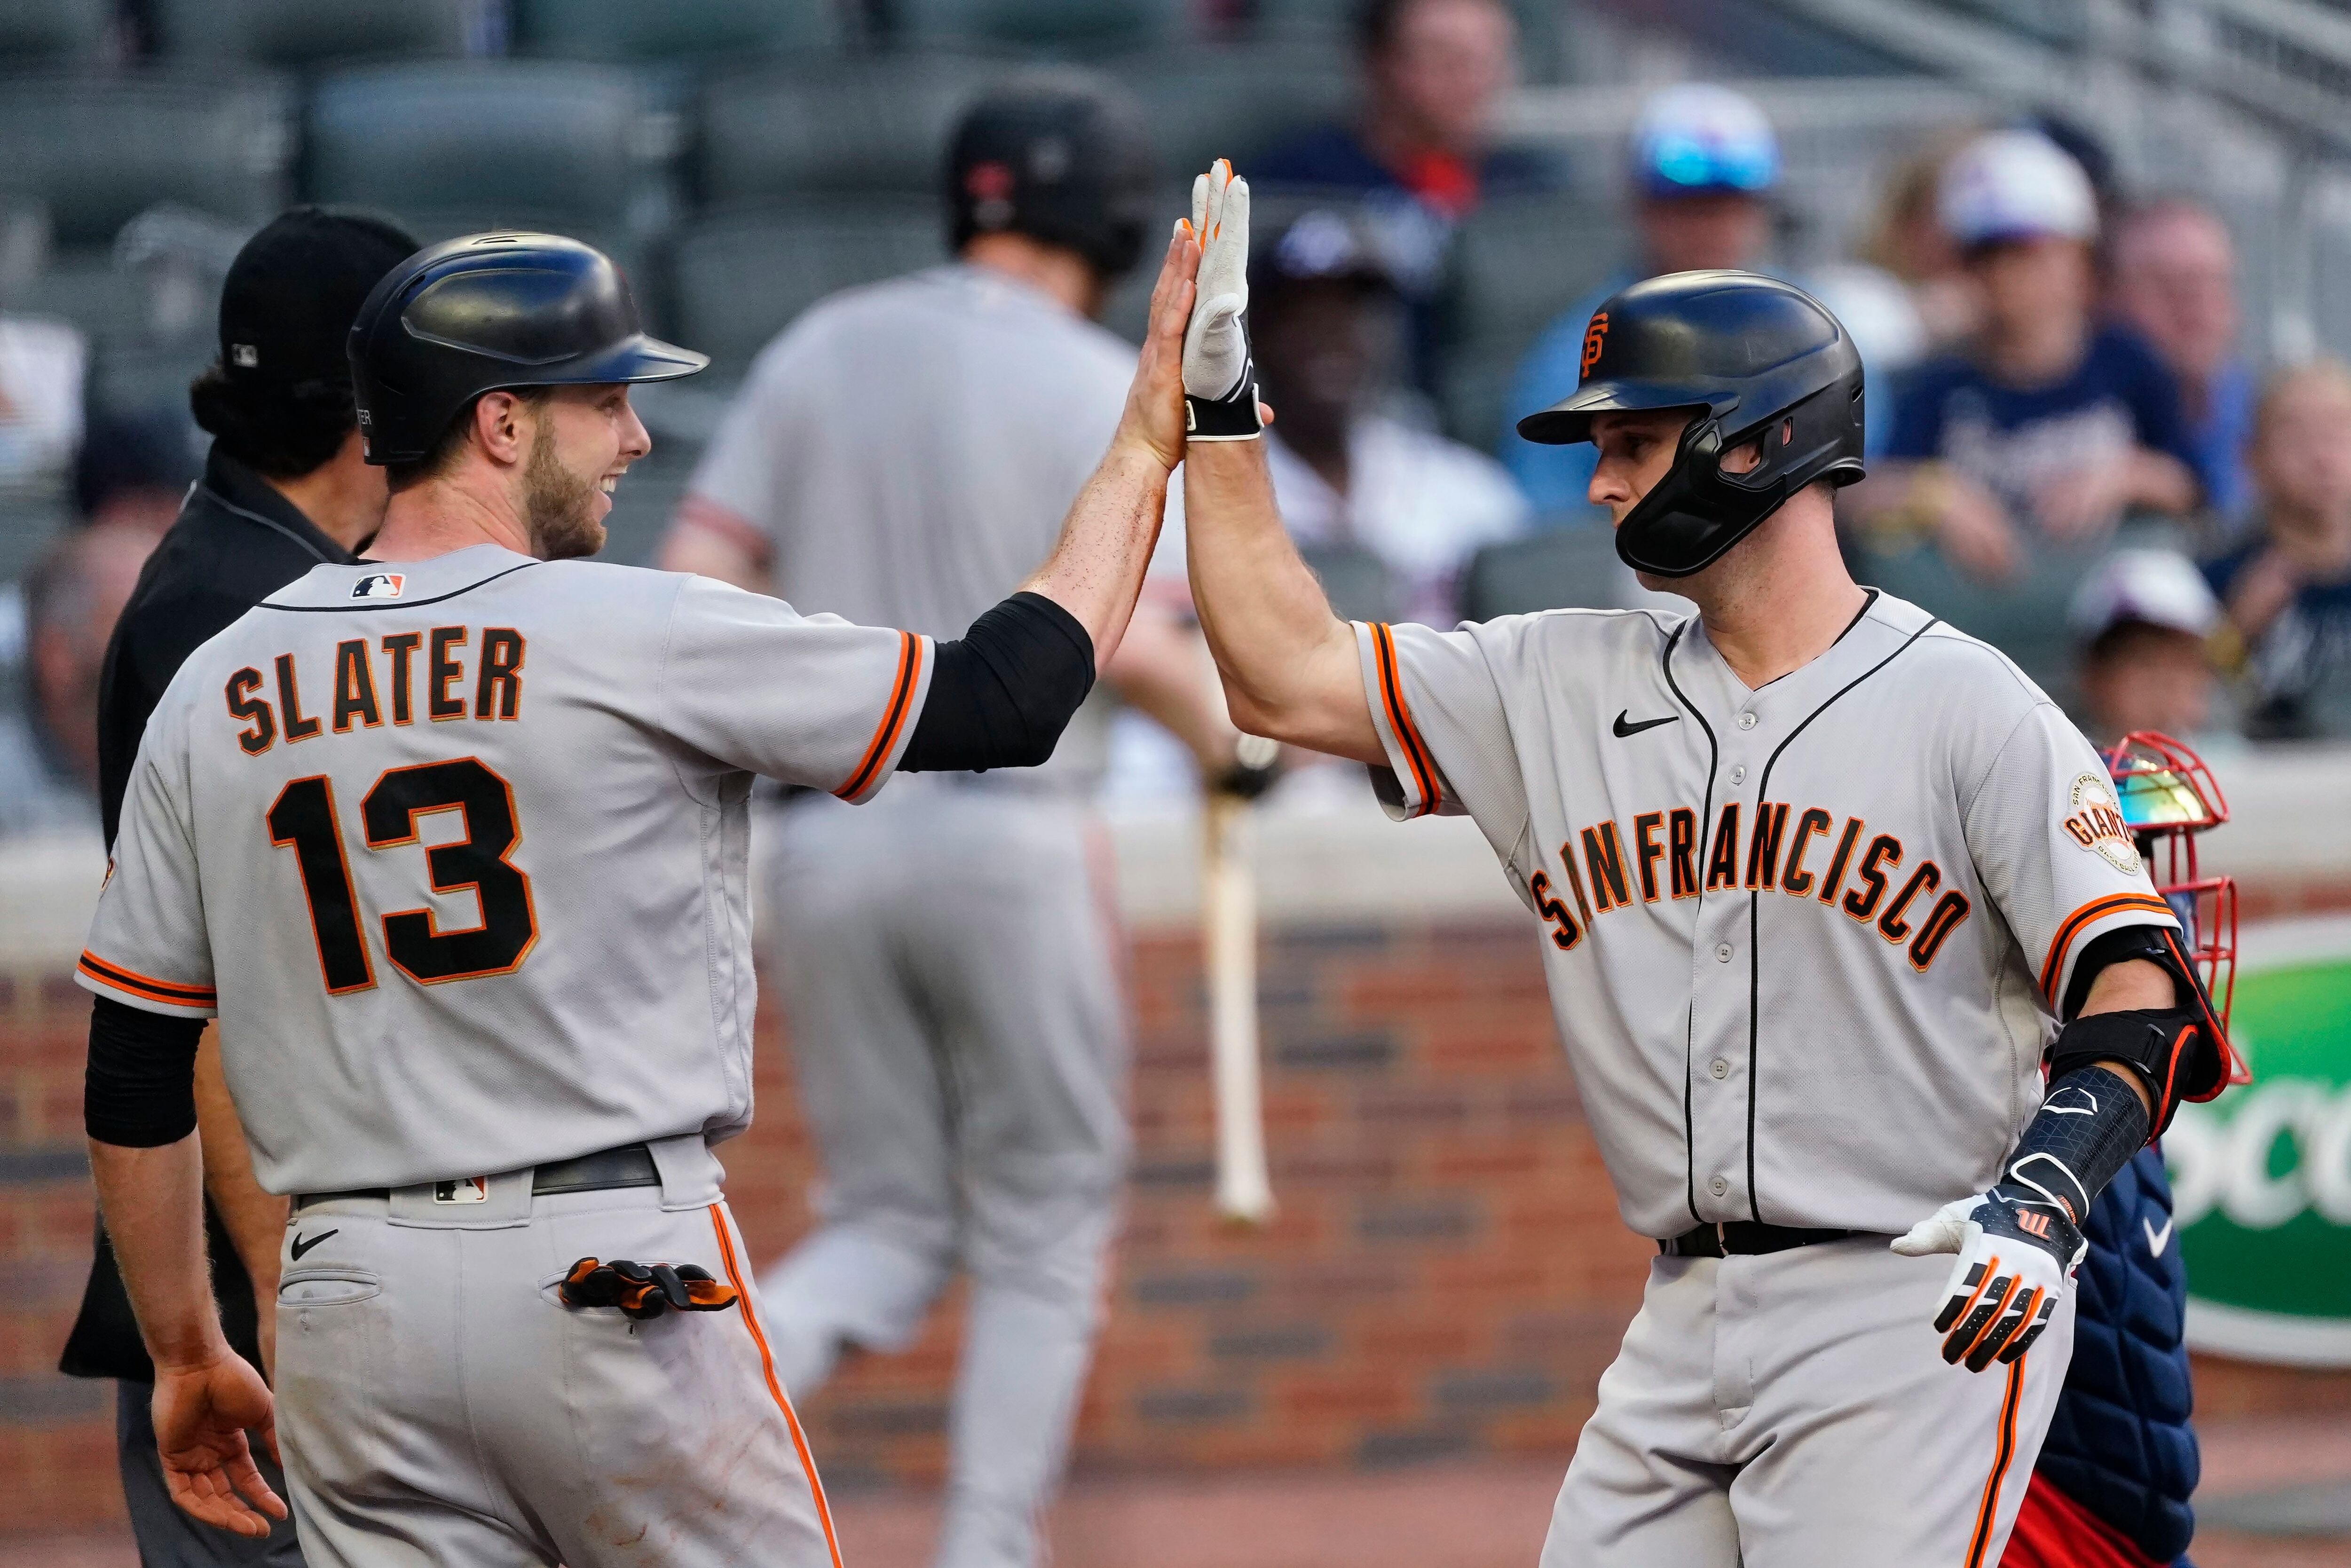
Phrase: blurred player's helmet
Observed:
(1059, 156)
(488, 311)
(1694, 139)
(2167, 796)
(1751, 359)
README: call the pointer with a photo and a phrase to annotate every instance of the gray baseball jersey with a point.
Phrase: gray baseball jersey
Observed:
(456, 849)
(1805, 943)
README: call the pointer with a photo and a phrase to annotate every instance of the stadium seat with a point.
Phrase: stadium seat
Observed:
(1516, 265)
(1076, 26)
(742, 277)
(475, 144)
(67, 30)
(1206, 103)
(847, 126)
(293, 34)
(1570, 568)
(626, 31)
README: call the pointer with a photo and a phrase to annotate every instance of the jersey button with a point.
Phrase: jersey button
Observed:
(1722, 952)
(1739, 774)
(1747, 721)
(1719, 1068)
(1718, 1187)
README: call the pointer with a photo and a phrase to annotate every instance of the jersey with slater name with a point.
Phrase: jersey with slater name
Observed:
(1806, 944)
(457, 850)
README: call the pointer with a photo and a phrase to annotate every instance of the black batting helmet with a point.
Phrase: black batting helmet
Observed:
(1753, 360)
(488, 311)
(1061, 157)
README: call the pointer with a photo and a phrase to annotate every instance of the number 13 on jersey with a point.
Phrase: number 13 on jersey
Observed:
(303, 819)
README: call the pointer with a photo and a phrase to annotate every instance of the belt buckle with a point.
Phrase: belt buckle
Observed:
(464, 1189)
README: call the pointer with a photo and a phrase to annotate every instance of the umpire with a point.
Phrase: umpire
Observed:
(284, 488)
(902, 456)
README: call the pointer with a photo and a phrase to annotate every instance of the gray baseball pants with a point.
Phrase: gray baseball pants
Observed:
(1793, 1410)
(948, 970)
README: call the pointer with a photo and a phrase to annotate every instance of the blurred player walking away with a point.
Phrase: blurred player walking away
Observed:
(284, 488)
(948, 961)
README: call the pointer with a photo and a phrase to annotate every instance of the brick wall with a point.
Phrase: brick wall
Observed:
(1446, 1274)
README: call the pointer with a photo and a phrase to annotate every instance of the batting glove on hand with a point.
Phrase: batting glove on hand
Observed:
(2018, 1252)
(644, 1290)
(1219, 377)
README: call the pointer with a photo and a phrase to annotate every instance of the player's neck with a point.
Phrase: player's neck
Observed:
(1054, 269)
(453, 512)
(1781, 597)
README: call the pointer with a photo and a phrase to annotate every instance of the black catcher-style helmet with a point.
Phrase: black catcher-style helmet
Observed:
(1061, 156)
(488, 311)
(1753, 360)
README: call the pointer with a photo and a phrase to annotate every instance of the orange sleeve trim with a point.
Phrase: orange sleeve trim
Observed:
(2060, 945)
(137, 984)
(1415, 750)
(884, 743)
(701, 512)
(2003, 1455)
(767, 1366)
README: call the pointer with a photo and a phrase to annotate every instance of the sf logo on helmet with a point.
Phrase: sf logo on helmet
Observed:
(1593, 337)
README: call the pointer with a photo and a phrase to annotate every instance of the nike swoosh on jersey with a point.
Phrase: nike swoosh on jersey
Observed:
(1624, 729)
(304, 1243)
(2156, 1240)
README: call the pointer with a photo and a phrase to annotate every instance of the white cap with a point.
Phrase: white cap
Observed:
(2015, 185)
(2158, 587)
(1695, 137)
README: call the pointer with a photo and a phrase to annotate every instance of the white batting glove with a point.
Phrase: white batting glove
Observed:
(2018, 1252)
(1219, 377)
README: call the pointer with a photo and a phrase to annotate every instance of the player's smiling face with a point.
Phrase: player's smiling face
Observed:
(586, 439)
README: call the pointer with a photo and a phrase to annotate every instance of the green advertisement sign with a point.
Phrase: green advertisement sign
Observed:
(2262, 1176)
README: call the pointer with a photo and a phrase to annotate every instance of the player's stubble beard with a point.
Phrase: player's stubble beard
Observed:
(559, 504)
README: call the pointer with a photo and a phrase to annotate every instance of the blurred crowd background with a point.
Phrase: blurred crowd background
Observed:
(2088, 247)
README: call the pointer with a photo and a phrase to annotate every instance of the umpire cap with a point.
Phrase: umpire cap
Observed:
(1751, 359)
(489, 311)
(1061, 157)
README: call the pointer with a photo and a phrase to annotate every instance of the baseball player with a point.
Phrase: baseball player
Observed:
(1824, 887)
(951, 975)
(452, 839)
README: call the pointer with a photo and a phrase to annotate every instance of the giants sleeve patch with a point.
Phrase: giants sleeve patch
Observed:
(2094, 819)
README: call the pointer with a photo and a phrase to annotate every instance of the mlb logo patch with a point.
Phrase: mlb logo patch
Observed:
(466, 1189)
(379, 585)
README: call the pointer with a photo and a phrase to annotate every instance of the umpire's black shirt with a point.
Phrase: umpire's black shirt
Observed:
(235, 542)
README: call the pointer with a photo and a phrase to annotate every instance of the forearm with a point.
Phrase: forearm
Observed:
(1290, 666)
(255, 1219)
(2161, 482)
(152, 1199)
(1096, 569)
(1162, 670)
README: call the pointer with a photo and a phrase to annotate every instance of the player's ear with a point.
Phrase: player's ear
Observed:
(503, 424)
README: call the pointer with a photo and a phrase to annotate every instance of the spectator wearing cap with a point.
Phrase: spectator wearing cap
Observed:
(284, 488)
(1345, 474)
(134, 469)
(1421, 156)
(2143, 623)
(2173, 278)
(2287, 590)
(48, 752)
(1703, 164)
(2047, 428)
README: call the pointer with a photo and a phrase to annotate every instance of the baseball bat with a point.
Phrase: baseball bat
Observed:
(1228, 937)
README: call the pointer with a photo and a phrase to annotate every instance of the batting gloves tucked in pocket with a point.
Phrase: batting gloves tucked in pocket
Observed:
(2018, 1252)
(1219, 377)
(644, 1290)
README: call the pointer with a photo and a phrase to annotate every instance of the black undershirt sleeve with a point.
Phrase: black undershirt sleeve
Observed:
(139, 1089)
(1001, 694)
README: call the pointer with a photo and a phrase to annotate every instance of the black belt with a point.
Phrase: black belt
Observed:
(631, 1165)
(1744, 1238)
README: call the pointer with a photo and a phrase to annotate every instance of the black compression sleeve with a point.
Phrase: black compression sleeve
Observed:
(139, 1089)
(1001, 694)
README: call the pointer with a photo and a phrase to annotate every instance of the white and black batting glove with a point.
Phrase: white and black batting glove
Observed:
(1219, 377)
(2018, 1251)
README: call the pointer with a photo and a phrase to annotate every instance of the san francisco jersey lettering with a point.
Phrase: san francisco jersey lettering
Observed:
(1805, 943)
(434, 777)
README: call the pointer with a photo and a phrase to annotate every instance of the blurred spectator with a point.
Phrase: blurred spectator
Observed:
(49, 753)
(41, 367)
(2144, 622)
(2287, 590)
(1909, 243)
(1343, 472)
(1420, 157)
(2048, 426)
(135, 469)
(1703, 164)
(2174, 280)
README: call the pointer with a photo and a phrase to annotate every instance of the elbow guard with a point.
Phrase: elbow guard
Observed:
(2178, 1053)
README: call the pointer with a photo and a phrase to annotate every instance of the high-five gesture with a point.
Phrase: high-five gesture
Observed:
(1219, 377)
